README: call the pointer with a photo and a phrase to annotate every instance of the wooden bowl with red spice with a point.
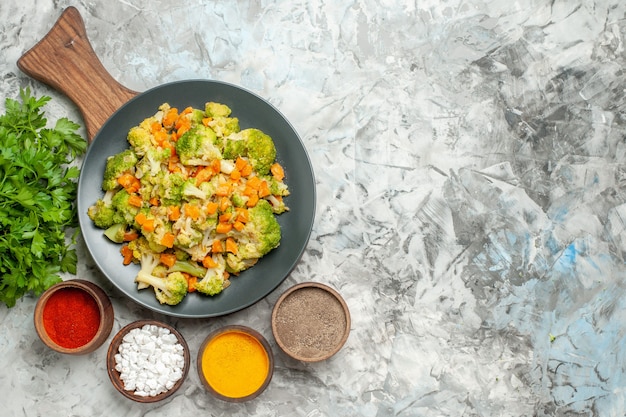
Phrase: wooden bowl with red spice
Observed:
(310, 322)
(74, 317)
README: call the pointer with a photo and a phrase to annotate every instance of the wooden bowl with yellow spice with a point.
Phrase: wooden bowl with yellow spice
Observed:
(235, 363)
(310, 322)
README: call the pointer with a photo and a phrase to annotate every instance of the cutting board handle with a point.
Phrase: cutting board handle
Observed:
(65, 60)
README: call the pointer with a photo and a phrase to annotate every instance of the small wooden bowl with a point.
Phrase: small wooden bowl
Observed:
(104, 307)
(310, 322)
(114, 375)
(248, 337)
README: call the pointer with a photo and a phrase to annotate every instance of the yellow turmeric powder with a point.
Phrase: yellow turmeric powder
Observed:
(235, 364)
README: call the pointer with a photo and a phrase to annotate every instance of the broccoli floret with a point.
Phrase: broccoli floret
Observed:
(276, 187)
(196, 116)
(186, 235)
(238, 200)
(140, 139)
(213, 109)
(213, 281)
(256, 145)
(224, 126)
(151, 162)
(124, 212)
(102, 213)
(191, 268)
(236, 264)
(233, 147)
(198, 146)
(116, 232)
(117, 165)
(263, 227)
(170, 290)
(259, 236)
(169, 188)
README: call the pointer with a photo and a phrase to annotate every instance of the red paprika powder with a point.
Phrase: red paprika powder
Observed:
(71, 317)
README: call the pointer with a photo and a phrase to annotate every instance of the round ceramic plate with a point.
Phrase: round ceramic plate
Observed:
(252, 111)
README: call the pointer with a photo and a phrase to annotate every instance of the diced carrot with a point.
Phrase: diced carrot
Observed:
(246, 170)
(154, 201)
(191, 282)
(127, 253)
(208, 262)
(211, 207)
(130, 235)
(240, 163)
(187, 110)
(148, 225)
(160, 136)
(248, 191)
(135, 201)
(206, 121)
(223, 189)
(182, 124)
(231, 246)
(235, 175)
(224, 218)
(156, 127)
(254, 183)
(204, 174)
(216, 166)
(217, 247)
(129, 182)
(224, 204)
(173, 213)
(126, 179)
(264, 189)
(192, 211)
(172, 164)
(252, 200)
(141, 218)
(242, 215)
(167, 259)
(182, 130)
(277, 171)
(170, 117)
(238, 226)
(223, 228)
(168, 241)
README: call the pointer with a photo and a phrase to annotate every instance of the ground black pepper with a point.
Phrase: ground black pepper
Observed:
(310, 322)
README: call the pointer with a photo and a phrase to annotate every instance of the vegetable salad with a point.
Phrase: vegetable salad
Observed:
(193, 200)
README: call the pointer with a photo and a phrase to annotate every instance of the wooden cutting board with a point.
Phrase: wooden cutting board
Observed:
(65, 60)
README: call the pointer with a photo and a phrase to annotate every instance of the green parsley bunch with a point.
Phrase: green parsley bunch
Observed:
(38, 189)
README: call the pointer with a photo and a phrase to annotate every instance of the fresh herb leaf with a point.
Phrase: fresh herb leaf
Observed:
(38, 189)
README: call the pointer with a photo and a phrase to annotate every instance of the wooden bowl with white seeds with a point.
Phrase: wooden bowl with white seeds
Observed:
(148, 361)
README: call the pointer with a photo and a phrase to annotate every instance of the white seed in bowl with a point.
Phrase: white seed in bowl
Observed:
(150, 360)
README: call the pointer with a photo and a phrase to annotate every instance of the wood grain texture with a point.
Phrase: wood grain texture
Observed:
(65, 60)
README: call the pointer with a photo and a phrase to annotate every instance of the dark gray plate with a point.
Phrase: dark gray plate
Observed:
(251, 285)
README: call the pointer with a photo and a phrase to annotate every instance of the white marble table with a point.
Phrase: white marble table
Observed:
(471, 207)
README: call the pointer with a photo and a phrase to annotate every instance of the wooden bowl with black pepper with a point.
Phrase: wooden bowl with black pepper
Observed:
(74, 317)
(151, 378)
(310, 322)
